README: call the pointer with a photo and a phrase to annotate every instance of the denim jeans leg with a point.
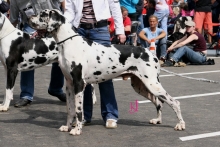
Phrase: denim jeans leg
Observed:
(27, 85)
(162, 48)
(27, 77)
(109, 108)
(162, 16)
(88, 103)
(56, 80)
(140, 28)
(192, 56)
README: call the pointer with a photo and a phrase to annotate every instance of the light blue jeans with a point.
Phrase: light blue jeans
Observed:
(192, 56)
(162, 16)
(161, 47)
(27, 77)
(109, 108)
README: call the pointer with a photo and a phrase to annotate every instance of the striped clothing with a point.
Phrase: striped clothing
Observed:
(88, 12)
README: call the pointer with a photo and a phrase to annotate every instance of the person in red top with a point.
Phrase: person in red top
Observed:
(197, 55)
(126, 22)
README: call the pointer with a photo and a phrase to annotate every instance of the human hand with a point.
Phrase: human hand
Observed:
(122, 38)
(170, 49)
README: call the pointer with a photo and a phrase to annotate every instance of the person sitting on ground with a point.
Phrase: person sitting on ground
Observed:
(197, 55)
(158, 34)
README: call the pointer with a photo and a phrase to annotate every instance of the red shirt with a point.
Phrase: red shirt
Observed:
(126, 22)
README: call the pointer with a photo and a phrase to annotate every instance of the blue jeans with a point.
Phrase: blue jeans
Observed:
(109, 108)
(192, 56)
(27, 78)
(140, 28)
(161, 47)
(162, 16)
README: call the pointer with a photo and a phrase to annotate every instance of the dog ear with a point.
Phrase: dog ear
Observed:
(55, 20)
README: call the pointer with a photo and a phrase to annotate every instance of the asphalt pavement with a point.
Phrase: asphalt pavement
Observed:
(37, 125)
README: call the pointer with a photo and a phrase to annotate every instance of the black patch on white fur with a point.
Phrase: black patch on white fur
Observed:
(127, 51)
(156, 60)
(79, 115)
(89, 42)
(97, 73)
(132, 68)
(76, 74)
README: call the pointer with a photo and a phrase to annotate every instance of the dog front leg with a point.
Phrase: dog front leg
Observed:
(79, 114)
(11, 75)
(70, 96)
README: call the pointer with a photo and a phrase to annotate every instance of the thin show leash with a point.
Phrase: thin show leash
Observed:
(197, 79)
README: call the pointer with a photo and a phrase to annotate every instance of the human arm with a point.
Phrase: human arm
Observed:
(134, 1)
(14, 13)
(117, 16)
(162, 35)
(183, 41)
(63, 5)
(69, 12)
(127, 24)
(143, 36)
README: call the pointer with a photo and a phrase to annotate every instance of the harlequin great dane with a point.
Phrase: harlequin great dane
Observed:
(18, 52)
(83, 61)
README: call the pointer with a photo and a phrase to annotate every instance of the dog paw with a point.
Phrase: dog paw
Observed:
(155, 121)
(180, 126)
(76, 131)
(63, 128)
(3, 108)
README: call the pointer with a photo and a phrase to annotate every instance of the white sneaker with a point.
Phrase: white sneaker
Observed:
(111, 124)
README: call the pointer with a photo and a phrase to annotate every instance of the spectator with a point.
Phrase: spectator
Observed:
(126, 22)
(215, 13)
(162, 13)
(203, 17)
(158, 34)
(4, 6)
(90, 17)
(139, 9)
(27, 77)
(185, 11)
(130, 6)
(150, 11)
(197, 55)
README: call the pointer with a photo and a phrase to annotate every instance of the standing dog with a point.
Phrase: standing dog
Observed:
(18, 52)
(83, 61)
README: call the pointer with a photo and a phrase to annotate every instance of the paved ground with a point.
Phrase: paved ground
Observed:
(37, 125)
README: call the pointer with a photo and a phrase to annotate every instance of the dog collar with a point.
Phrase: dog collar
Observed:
(66, 39)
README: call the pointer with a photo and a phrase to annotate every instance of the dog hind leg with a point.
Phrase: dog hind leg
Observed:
(140, 88)
(154, 86)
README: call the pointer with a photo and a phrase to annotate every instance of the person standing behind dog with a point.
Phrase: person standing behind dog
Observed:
(90, 19)
(25, 7)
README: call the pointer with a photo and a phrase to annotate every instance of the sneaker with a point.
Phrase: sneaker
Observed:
(84, 123)
(22, 102)
(111, 124)
(61, 97)
(167, 63)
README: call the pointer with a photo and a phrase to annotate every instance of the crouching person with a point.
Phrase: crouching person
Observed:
(157, 34)
(197, 55)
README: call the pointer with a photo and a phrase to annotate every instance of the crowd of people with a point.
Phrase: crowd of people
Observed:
(101, 20)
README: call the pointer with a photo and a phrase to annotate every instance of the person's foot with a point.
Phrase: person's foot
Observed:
(22, 102)
(61, 97)
(167, 63)
(111, 124)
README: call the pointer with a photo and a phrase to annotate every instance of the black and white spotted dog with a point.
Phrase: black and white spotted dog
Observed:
(83, 61)
(20, 53)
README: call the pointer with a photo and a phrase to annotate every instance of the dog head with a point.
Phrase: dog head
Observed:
(47, 20)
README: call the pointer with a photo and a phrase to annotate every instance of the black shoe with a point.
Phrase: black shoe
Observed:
(22, 102)
(61, 97)
(167, 63)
